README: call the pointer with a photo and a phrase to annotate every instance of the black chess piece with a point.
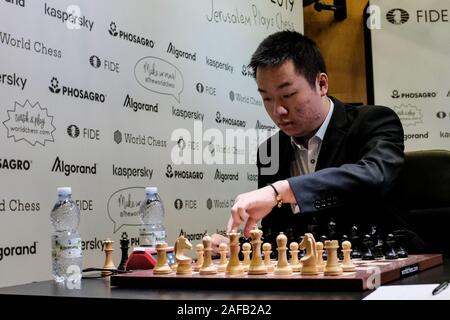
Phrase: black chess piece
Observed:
(391, 253)
(124, 246)
(332, 230)
(377, 242)
(340, 253)
(356, 242)
(323, 238)
(400, 249)
(367, 253)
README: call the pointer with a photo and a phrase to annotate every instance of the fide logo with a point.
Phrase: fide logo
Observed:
(169, 171)
(95, 61)
(73, 131)
(178, 203)
(181, 143)
(200, 88)
(209, 203)
(397, 16)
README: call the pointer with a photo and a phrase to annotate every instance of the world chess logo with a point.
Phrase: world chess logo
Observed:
(117, 136)
(231, 95)
(209, 203)
(169, 171)
(54, 86)
(113, 29)
(73, 131)
(397, 16)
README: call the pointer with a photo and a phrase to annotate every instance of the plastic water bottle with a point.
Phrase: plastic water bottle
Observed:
(152, 217)
(67, 259)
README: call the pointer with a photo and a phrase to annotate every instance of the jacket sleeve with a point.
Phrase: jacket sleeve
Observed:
(378, 136)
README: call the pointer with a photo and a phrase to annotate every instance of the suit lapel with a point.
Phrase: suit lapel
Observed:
(334, 136)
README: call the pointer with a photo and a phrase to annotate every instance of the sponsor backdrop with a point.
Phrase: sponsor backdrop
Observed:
(411, 68)
(109, 97)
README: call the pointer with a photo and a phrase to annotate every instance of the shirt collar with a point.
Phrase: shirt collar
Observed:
(323, 128)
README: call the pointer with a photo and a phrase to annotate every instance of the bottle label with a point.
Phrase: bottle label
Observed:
(151, 238)
(66, 248)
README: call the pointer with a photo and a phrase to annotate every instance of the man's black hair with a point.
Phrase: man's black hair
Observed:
(281, 46)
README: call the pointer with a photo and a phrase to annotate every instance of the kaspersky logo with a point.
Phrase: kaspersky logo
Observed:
(397, 16)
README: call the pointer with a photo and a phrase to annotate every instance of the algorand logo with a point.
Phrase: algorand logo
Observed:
(10, 251)
(15, 164)
(113, 31)
(75, 92)
(229, 121)
(183, 174)
(226, 176)
(138, 105)
(68, 169)
(397, 16)
(260, 126)
(181, 54)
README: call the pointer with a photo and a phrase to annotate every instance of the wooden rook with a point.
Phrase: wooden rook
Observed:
(332, 268)
(109, 263)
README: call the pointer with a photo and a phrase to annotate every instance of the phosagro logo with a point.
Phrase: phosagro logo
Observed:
(183, 174)
(67, 168)
(397, 16)
(11, 251)
(15, 164)
(129, 36)
(75, 92)
(229, 121)
(413, 95)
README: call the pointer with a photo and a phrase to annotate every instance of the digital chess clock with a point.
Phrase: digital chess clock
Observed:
(143, 258)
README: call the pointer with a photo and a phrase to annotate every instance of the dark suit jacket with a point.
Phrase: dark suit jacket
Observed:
(359, 162)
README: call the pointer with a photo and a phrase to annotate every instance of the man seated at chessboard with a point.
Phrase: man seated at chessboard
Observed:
(329, 161)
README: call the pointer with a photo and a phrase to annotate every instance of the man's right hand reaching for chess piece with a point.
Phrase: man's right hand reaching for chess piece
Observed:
(250, 207)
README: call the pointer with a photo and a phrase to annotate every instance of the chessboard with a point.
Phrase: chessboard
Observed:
(368, 275)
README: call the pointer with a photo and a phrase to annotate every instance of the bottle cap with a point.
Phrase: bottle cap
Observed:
(64, 191)
(151, 190)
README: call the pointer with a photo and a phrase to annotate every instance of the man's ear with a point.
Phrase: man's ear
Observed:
(322, 83)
